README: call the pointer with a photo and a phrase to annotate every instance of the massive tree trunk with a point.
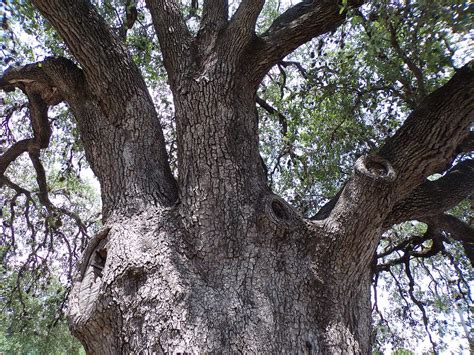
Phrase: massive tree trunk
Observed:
(215, 261)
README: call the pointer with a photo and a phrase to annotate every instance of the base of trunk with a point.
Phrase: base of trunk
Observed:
(158, 294)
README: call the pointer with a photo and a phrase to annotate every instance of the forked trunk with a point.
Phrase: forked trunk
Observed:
(231, 267)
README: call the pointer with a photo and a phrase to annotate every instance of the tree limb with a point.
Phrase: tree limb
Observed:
(457, 229)
(40, 126)
(173, 35)
(425, 144)
(62, 77)
(242, 25)
(215, 15)
(113, 108)
(434, 197)
(97, 48)
(294, 27)
(427, 141)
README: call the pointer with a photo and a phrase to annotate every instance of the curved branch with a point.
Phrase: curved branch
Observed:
(102, 55)
(41, 130)
(14, 152)
(457, 229)
(42, 91)
(124, 177)
(296, 26)
(434, 197)
(122, 135)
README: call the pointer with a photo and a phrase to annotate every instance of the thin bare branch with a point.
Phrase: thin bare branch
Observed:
(282, 120)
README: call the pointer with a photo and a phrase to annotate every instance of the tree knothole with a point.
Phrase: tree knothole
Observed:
(98, 261)
(375, 167)
(278, 210)
(95, 254)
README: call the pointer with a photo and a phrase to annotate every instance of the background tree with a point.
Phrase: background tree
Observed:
(214, 259)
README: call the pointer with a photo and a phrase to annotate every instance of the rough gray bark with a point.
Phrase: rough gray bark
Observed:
(216, 261)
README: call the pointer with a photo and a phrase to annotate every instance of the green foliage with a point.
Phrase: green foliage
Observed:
(31, 321)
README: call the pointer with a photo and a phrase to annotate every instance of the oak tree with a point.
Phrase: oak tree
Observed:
(197, 251)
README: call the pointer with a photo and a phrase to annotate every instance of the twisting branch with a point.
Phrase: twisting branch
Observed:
(40, 126)
(419, 304)
(110, 99)
(41, 92)
(457, 229)
(409, 249)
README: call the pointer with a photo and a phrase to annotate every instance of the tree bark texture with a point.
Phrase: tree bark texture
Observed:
(214, 261)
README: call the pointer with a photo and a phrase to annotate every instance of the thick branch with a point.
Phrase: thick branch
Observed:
(296, 26)
(42, 90)
(434, 197)
(242, 26)
(427, 141)
(43, 194)
(426, 144)
(40, 126)
(173, 35)
(129, 159)
(102, 55)
(122, 135)
(215, 15)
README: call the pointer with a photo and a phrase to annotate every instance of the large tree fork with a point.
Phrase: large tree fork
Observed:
(218, 238)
